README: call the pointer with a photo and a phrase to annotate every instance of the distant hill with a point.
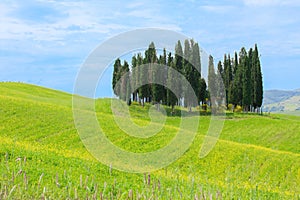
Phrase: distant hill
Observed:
(287, 101)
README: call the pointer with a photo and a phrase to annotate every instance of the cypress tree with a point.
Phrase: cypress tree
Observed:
(186, 70)
(237, 87)
(161, 95)
(225, 66)
(235, 90)
(179, 62)
(228, 77)
(246, 79)
(220, 81)
(225, 76)
(229, 69)
(196, 60)
(156, 88)
(171, 82)
(150, 58)
(230, 89)
(164, 77)
(124, 73)
(128, 90)
(196, 71)
(189, 73)
(134, 77)
(221, 70)
(258, 79)
(202, 91)
(212, 85)
(160, 77)
(139, 70)
(252, 78)
(235, 64)
(144, 89)
(179, 57)
(116, 77)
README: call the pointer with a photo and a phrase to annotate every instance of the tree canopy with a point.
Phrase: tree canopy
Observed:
(241, 77)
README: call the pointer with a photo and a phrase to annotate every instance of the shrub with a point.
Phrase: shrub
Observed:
(238, 109)
(230, 106)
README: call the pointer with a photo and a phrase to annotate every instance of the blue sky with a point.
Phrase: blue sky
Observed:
(45, 42)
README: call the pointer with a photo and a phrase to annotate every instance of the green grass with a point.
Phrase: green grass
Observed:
(42, 156)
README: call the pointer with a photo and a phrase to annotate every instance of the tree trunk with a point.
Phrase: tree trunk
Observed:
(190, 108)
(172, 113)
(158, 106)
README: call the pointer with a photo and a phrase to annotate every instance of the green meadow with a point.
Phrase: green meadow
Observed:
(42, 156)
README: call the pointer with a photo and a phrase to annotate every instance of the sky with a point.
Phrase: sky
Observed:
(45, 42)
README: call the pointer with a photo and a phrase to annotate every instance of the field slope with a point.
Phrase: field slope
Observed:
(42, 156)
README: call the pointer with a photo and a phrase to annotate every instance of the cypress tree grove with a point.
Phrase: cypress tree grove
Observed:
(242, 78)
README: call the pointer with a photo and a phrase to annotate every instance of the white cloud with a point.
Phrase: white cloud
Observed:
(151, 16)
(81, 15)
(217, 8)
(135, 4)
(261, 2)
(87, 17)
(271, 2)
(72, 29)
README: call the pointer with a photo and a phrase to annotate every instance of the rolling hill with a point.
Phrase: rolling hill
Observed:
(42, 156)
(282, 101)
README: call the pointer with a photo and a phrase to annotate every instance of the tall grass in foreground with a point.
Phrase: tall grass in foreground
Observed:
(17, 183)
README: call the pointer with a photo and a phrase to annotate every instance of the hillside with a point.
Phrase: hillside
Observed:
(283, 101)
(42, 156)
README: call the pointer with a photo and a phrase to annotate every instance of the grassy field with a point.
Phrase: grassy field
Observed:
(42, 156)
